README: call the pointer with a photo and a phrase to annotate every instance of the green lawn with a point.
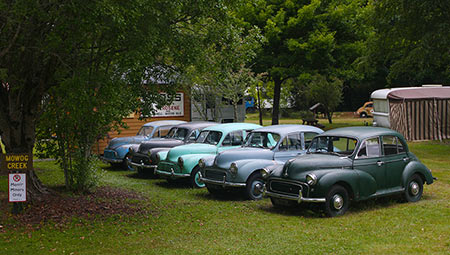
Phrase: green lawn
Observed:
(188, 221)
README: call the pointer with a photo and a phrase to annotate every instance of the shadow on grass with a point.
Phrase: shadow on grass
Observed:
(173, 184)
(226, 196)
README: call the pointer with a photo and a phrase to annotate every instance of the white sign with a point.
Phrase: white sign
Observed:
(17, 187)
(175, 109)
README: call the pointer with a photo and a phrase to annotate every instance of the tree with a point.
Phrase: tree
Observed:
(410, 40)
(46, 44)
(328, 93)
(306, 37)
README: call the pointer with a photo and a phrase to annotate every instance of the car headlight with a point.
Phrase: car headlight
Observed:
(131, 150)
(311, 179)
(233, 168)
(180, 162)
(265, 173)
(201, 163)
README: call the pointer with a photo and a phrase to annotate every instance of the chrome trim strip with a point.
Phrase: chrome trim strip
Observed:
(298, 198)
(223, 183)
(171, 174)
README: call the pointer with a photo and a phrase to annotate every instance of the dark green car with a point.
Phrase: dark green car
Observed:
(348, 164)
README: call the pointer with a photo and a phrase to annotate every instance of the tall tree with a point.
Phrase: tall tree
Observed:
(410, 40)
(44, 44)
(306, 37)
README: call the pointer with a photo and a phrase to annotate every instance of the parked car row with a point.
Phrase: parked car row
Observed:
(290, 164)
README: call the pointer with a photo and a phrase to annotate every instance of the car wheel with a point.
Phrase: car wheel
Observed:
(363, 115)
(336, 201)
(413, 189)
(254, 187)
(195, 178)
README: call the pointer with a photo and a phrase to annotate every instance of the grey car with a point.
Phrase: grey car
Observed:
(240, 168)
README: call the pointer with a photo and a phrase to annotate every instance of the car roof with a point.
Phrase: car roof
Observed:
(158, 123)
(288, 128)
(197, 124)
(360, 132)
(224, 128)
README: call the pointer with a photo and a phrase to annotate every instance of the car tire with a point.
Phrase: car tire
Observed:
(251, 188)
(363, 115)
(336, 201)
(413, 188)
(195, 178)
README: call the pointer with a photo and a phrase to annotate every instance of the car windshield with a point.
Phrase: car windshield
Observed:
(262, 140)
(209, 137)
(177, 133)
(337, 145)
(145, 131)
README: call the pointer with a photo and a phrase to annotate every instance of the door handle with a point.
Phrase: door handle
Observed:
(405, 159)
(380, 163)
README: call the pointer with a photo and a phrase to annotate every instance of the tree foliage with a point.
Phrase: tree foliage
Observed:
(410, 40)
(328, 93)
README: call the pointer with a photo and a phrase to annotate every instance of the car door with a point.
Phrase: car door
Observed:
(370, 160)
(395, 160)
(289, 147)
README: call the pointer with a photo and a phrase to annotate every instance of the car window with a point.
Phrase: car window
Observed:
(234, 138)
(162, 131)
(284, 145)
(295, 142)
(262, 140)
(177, 133)
(370, 148)
(209, 137)
(369, 105)
(145, 131)
(308, 136)
(193, 136)
(401, 146)
(333, 144)
(389, 145)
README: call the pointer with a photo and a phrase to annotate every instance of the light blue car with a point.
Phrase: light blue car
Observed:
(117, 151)
(182, 161)
(266, 146)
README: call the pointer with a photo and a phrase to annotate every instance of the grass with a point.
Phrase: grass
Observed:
(190, 221)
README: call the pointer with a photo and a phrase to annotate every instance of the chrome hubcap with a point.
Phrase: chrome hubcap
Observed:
(414, 188)
(257, 189)
(338, 202)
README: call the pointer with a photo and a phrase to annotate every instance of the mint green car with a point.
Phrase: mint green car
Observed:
(182, 161)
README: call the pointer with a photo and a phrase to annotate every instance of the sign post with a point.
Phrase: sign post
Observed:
(16, 164)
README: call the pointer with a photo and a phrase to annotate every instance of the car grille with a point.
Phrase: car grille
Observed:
(168, 166)
(139, 158)
(109, 154)
(287, 188)
(214, 175)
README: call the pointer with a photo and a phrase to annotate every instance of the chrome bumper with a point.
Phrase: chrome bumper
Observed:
(111, 160)
(223, 182)
(171, 174)
(141, 165)
(298, 198)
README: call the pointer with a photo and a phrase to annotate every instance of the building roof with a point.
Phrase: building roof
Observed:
(412, 93)
(285, 129)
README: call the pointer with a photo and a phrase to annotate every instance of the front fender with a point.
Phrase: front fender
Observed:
(153, 152)
(162, 155)
(329, 177)
(191, 161)
(123, 150)
(248, 166)
(209, 160)
(416, 167)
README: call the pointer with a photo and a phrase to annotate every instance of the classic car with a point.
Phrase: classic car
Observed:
(240, 168)
(182, 161)
(117, 151)
(345, 164)
(366, 110)
(143, 156)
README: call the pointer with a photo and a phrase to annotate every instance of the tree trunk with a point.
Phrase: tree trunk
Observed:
(235, 111)
(330, 116)
(259, 106)
(276, 101)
